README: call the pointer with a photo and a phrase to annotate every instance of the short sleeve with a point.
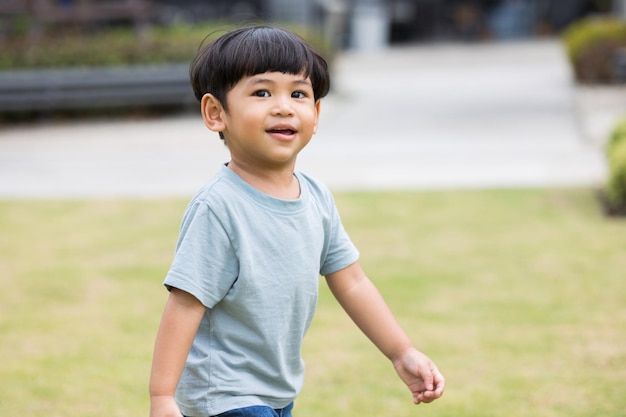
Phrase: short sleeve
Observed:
(204, 264)
(340, 251)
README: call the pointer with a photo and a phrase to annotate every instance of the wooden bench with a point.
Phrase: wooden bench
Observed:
(619, 66)
(47, 90)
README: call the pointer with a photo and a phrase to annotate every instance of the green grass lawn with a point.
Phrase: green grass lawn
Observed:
(519, 296)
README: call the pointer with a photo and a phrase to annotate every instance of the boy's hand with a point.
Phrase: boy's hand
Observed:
(421, 375)
(164, 406)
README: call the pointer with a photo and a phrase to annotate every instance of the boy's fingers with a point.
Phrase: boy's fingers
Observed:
(416, 399)
(429, 378)
(434, 388)
(440, 383)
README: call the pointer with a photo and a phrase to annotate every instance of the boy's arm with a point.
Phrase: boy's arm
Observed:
(364, 304)
(179, 324)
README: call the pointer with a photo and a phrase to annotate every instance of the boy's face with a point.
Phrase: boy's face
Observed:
(270, 118)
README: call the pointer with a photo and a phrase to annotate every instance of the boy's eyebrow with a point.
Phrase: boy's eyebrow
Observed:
(306, 81)
(256, 80)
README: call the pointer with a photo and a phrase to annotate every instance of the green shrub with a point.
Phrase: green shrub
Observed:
(117, 46)
(616, 157)
(616, 186)
(111, 47)
(591, 44)
(618, 134)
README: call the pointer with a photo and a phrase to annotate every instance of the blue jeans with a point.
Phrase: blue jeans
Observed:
(258, 411)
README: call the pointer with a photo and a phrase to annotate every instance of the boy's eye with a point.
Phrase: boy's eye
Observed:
(261, 93)
(298, 94)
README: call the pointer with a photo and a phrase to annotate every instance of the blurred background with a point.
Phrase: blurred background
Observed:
(397, 20)
(470, 93)
(70, 34)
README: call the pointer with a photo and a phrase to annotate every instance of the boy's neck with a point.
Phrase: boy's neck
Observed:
(281, 184)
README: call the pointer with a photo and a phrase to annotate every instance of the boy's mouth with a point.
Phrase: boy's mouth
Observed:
(282, 131)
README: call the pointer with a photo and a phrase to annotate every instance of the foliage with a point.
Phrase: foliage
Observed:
(616, 186)
(517, 295)
(117, 46)
(618, 134)
(591, 44)
(615, 190)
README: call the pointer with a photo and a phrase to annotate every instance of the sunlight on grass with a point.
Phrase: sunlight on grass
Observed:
(519, 296)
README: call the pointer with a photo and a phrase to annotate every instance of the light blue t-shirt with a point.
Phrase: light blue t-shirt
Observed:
(254, 261)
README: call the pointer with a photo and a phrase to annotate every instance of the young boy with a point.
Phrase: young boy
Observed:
(244, 280)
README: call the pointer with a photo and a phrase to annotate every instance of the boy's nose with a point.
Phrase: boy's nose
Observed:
(282, 106)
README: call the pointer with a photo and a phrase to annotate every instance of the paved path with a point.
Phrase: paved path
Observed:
(419, 117)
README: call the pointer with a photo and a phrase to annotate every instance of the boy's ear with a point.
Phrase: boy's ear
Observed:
(317, 115)
(212, 113)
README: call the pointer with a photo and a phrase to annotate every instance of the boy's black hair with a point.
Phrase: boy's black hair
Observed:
(251, 50)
